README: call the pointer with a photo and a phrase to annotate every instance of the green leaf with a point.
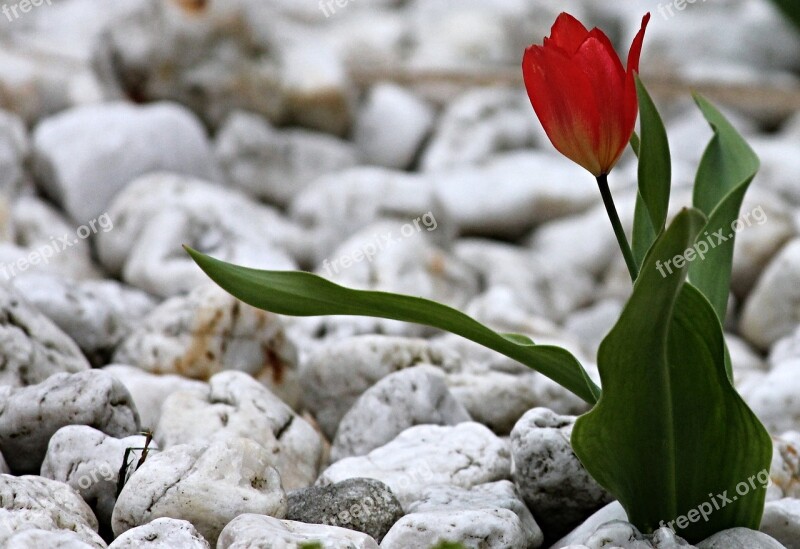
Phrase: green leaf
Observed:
(670, 430)
(643, 233)
(655, 173)
(655, 167)
(726, 170)
(791, 9)
(305, 294)
(635, 143)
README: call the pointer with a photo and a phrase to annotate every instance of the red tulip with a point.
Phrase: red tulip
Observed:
(583, 96)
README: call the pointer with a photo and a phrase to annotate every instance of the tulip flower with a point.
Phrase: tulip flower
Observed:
(582, 94)
(586, 101)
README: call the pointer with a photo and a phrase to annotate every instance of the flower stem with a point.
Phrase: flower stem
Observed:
(619, 232)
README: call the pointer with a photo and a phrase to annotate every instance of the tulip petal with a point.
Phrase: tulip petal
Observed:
(631, 103)
(636, 46)
(567, 33)
(598, 60)
(562, 97)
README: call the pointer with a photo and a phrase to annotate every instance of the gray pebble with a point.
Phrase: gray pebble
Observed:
(361, 504)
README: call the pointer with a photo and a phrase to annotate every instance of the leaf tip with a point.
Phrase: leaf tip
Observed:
(194, 254)
(705, 106)
(200, 259)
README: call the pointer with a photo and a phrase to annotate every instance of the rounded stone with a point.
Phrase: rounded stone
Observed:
(361, 504)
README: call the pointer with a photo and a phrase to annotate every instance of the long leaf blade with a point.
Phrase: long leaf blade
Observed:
(726, 170)
(298, 293)
(655, 174)
(655, 165)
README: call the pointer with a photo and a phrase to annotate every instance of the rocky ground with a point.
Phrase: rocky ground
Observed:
(388, 145)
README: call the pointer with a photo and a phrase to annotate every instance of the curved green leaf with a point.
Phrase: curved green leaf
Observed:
(670, 429)
(655, 174)
(297, 293)
(726, 171)
(791, 9)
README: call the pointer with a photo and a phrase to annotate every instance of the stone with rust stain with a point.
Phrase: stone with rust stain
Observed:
(193, 6)
(784, 473)
(209, 331)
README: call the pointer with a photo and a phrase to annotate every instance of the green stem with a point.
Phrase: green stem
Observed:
(619, 232)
